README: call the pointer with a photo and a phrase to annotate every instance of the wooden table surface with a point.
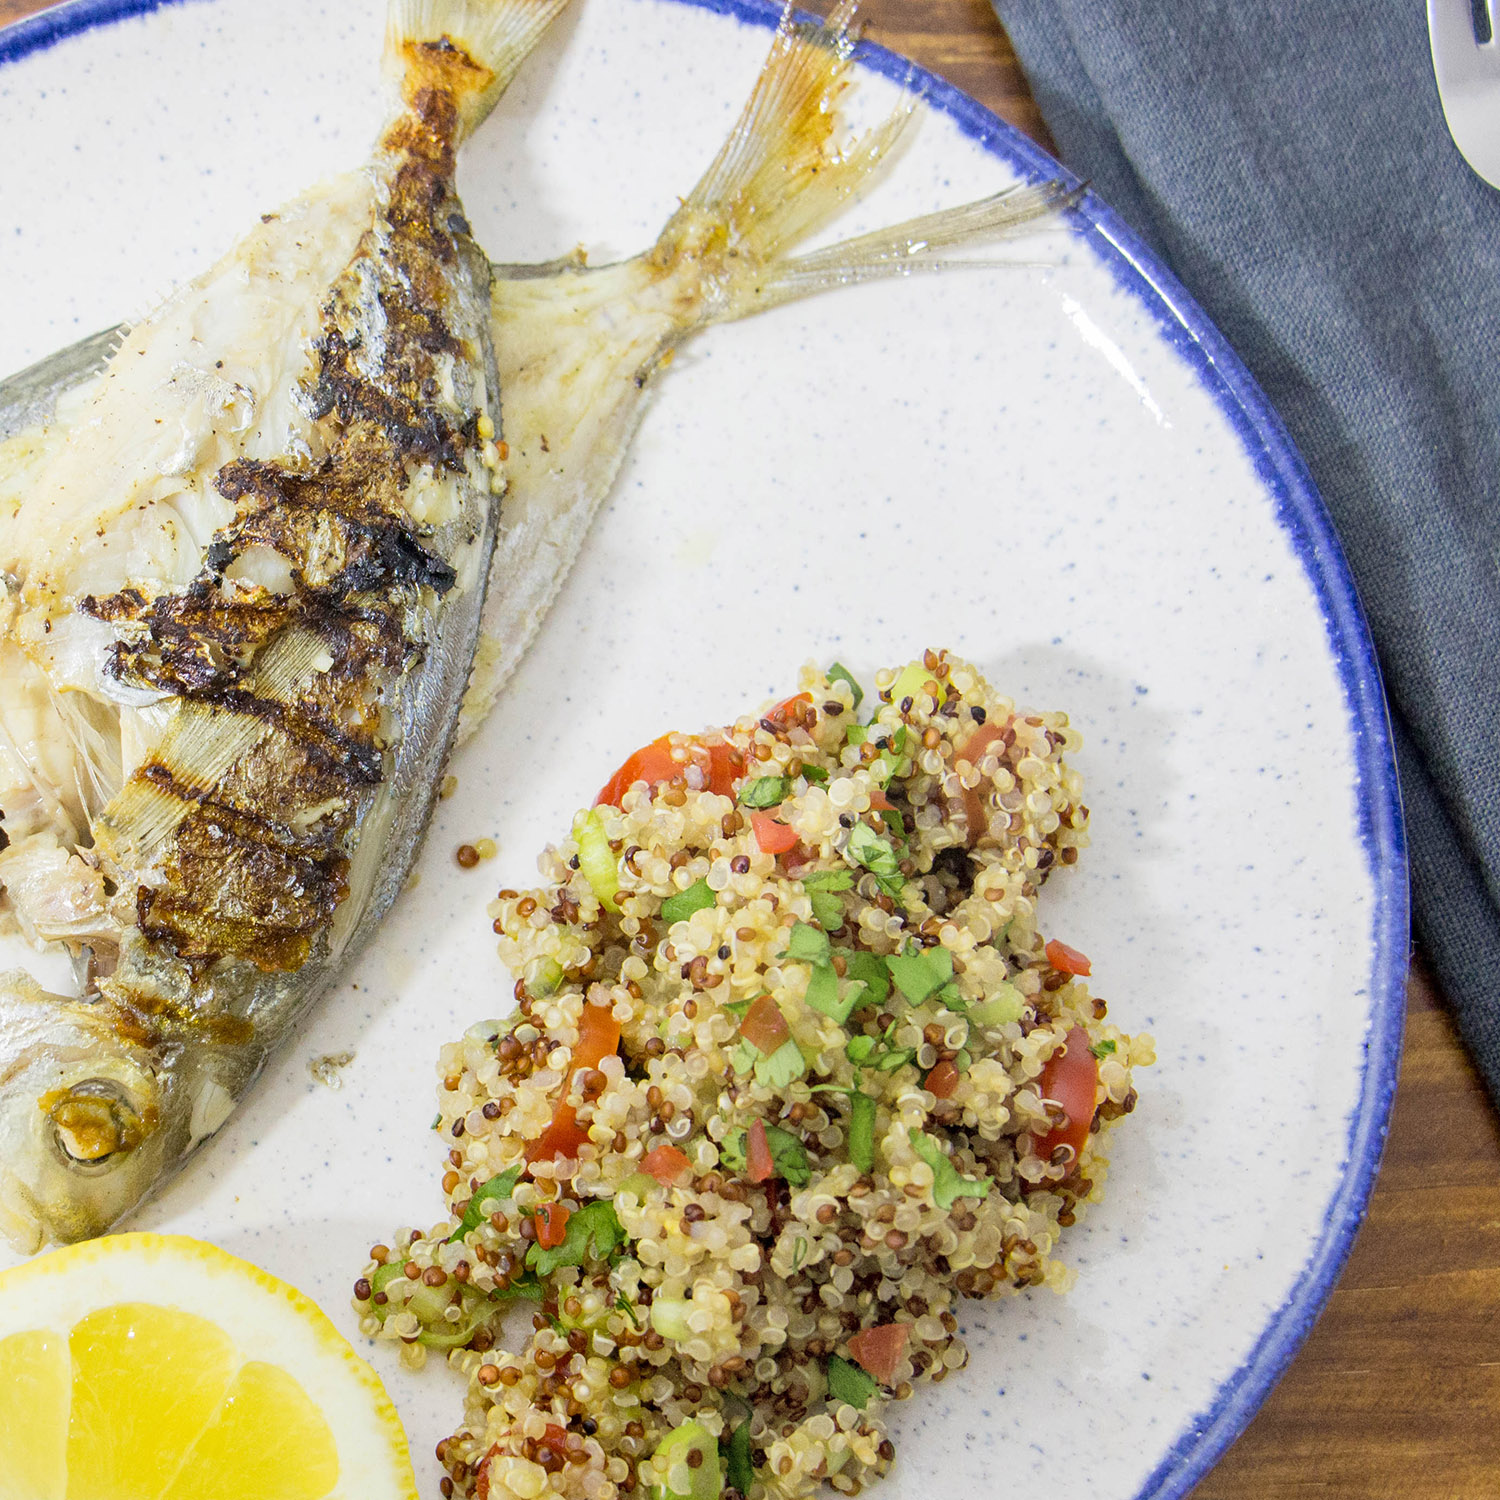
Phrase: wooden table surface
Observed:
(1396, 1393)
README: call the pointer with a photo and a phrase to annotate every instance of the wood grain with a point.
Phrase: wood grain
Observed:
(1397, 1390)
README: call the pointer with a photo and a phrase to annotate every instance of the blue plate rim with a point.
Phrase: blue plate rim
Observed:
(1302, 514)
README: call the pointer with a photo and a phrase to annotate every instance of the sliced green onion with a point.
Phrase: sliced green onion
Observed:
(1004, 1004)
(669, 1317)
(638, 1185)
(689, 1457)
(596, 859)
(862, 1131)
(910, 682)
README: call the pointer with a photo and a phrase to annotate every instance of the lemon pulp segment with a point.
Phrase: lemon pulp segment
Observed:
(34, 1396)
(267, 1442)
(146, 1381)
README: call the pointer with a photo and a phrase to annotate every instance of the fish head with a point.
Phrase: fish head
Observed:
(85, 1127)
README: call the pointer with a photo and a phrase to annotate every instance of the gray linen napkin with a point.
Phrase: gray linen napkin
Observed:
(1290, 162)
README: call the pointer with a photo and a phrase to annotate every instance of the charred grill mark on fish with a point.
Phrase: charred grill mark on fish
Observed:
(243, 884)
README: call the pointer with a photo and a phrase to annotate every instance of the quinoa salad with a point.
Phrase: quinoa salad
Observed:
(793, 1068)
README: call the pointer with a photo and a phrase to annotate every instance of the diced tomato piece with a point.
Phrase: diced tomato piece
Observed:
(598, 1037)
(1070, 1077)
(562, 1137)
(943, 1079)
(551, 1224)
(972, 801)
(556, 1437)
(879, 801)
(785, 712)
(721, 764)
(773, 837)
(758, 1164)
(653, 764)
(482, 1474)
(1066, 960)
(878, 1351)
(764, 1025)
(726, 765)
(665, 1163)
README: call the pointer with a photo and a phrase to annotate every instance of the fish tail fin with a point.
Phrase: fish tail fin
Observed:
(469, 48)
(784, 169)
(916, 245)
(784, 172)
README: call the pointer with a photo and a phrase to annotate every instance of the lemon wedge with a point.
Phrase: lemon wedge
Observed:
(156, 1367)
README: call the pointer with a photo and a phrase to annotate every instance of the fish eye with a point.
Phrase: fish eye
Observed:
(94, 1124)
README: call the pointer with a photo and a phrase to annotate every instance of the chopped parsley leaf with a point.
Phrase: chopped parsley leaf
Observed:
(763, 791)
(739, 1467)
(678, 908)
(779, 1068)
(948, 1184)
(593, 1232)
(849, 1384)
(807, 945)
(872, 971)
(828, 909)
(840, 673)
(866, 847)
(823, 994)
(493, 1191)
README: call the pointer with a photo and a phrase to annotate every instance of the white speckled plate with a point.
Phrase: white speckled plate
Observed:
(1061, 471)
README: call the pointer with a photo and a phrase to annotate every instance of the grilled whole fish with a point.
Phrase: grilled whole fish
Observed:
(243, 571)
